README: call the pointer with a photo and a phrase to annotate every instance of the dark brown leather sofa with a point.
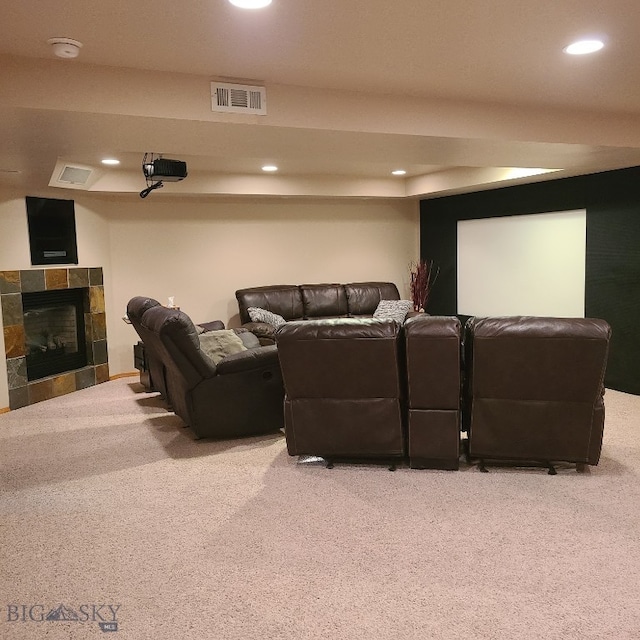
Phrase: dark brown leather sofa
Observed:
(240, 396)
(312, 302)
(534, 389)
(344, 388)
(433, 370)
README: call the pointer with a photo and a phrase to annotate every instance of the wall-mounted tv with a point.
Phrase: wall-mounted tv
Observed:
(52, 231)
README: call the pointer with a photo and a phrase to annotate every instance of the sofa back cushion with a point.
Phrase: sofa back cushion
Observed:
(136, 308)
(538, 359)
(363, 297)
(433, 354)
(283, 299)
(178, 342)
(340, 358)
(324, 301)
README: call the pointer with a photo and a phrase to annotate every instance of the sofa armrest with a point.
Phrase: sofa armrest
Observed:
(214, 325)
(251, 359)
(263, 330)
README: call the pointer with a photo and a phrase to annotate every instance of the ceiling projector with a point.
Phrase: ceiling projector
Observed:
(158, 170)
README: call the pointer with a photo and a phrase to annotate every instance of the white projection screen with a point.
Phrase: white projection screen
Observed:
(523, 265)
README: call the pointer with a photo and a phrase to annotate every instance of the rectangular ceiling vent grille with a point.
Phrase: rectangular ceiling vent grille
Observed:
(238, 98)
(74, 175)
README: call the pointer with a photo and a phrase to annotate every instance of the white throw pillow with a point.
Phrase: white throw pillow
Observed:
(393, 310)
(262, 315)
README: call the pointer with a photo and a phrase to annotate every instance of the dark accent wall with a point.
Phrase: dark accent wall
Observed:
(612, 284)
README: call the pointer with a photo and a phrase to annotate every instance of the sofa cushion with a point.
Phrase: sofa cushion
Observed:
(363, 297)
(220, 343)
(324, 300)
(263, 315)
(393, 310)
(249, 339)
(283, 299)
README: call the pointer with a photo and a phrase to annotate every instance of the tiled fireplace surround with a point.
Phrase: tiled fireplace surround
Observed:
(23, 392)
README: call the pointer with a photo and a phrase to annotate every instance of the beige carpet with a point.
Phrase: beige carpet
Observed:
(107, 501)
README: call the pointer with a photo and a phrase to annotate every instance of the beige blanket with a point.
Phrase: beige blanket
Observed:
(221, 343)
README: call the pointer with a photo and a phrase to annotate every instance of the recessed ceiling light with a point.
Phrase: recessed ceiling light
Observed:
(110, 161)
(398, 172)
(269, 167)
(583, 46)
(250, 4)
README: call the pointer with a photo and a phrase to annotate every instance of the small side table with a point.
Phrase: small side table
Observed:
(140, 363)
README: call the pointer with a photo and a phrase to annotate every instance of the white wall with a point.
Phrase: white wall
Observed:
(201, 252)
(523, 265)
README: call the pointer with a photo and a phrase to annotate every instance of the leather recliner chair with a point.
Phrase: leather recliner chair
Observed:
(344, 388)
(534, 389)
(433, 360)
(240, 396)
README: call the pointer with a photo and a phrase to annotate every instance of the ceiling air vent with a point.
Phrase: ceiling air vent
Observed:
(74, 175)
(238, 98)
(69, 175)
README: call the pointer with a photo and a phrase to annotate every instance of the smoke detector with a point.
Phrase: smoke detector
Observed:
(65, 47)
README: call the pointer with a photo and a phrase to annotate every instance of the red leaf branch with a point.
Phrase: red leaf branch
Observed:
(423, 277)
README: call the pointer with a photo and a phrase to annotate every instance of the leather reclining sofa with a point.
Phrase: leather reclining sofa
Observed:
(529, 390)
(312, 302)
(526, 390)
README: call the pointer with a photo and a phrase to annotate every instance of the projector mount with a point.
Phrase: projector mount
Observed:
(158, 170)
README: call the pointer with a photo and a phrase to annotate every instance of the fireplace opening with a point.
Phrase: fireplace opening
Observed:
(54, 331)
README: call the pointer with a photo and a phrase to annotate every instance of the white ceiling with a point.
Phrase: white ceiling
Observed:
(506, 52)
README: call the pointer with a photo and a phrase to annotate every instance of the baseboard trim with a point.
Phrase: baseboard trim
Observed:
(4, 409)
(128, 374)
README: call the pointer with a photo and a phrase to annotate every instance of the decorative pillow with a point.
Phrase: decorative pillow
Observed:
(221, 343)
(393, 310)
(262, 315)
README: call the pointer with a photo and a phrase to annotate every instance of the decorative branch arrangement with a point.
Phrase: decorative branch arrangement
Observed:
(423, 277)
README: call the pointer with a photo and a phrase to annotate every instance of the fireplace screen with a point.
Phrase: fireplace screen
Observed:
(54, 332)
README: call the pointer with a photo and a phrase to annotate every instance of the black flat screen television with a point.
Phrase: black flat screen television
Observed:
(52, 231)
